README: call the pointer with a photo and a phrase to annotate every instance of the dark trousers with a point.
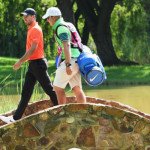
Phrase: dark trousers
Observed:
(37, 71)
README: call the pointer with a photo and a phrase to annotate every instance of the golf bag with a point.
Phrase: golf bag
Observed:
(91, 68)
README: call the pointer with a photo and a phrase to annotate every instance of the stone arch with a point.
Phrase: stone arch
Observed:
(96, 125)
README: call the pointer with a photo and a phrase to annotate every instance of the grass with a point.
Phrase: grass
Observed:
(116, 75)
(11, 81)
(128, 75)
(11, 77)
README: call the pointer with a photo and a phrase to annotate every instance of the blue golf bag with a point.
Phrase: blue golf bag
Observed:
(91, 68)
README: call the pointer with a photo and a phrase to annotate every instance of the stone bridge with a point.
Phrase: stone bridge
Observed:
(97, 125)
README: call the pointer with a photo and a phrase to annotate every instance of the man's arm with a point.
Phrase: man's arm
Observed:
(67, 53)
(25, 57)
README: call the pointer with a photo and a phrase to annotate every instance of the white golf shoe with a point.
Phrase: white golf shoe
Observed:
(8, 119)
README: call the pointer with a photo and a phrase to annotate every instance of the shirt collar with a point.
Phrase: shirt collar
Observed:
(32, 25)
(59, 21)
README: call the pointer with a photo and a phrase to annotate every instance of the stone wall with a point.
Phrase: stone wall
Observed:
(97, 125)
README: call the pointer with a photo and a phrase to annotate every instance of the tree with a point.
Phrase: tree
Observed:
(130, 25)
(93, 18)
(97, 16)
(66, 7)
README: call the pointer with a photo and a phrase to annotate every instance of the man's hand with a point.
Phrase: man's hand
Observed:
(69, 70)
(17, 65)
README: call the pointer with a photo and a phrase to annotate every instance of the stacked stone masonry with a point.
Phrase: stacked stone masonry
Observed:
(97, 125)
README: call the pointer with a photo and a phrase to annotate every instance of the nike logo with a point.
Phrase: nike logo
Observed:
(92, 79)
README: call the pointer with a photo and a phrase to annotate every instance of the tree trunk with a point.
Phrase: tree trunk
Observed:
(103, 39)
(66, 8)
(99, 26)
(97, 22)
(85, 34)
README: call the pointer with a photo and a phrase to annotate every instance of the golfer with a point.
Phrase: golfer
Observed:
(37, 69)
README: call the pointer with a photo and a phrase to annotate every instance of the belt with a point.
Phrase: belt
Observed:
(36, 60)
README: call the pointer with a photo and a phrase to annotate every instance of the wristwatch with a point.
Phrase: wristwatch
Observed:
(68, 64)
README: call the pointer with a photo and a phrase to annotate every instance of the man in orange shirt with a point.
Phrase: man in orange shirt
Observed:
(37, 70)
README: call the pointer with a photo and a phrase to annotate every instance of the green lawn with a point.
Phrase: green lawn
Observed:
(11, 81)
(9, 76)
(116, 75)
(128, 74)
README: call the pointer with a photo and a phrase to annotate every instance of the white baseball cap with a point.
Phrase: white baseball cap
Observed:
(52, 11)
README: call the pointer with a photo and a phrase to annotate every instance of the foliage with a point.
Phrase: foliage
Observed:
(13, 29)
(129, 26)
(130, 22)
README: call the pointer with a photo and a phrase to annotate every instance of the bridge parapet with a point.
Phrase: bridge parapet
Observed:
(97, 125)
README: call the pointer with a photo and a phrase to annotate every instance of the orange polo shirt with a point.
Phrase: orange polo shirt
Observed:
(35, 35)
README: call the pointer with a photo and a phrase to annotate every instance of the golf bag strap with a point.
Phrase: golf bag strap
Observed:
(72, 35)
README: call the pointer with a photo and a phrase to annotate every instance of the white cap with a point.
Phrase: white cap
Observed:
(52, 11)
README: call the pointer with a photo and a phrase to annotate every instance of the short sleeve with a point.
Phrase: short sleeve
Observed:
(63, 33)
